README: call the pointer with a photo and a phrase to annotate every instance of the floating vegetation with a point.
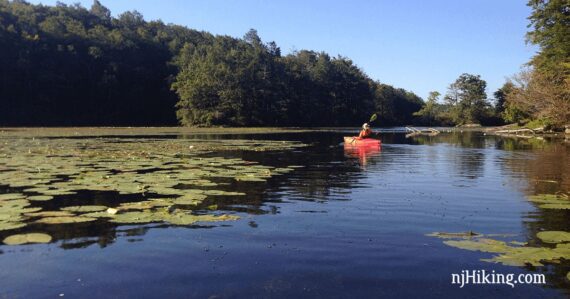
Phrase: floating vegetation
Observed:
(551, 201)
(8, 225)
(150, 213)
(40, 197)
(480, 244)
(27, 238)
(80, 209)
(142, 205)
(11, 212)
(65, 220)
(176, 217)
(515, 253)
(10, 196)
(164, 179)
(50, 214)
(554, 236)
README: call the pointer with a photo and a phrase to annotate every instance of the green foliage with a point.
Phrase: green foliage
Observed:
(244, 82)
(513, 114)
(539, 123)
(501, 97)
(229, 82)
(550, 23)
(68, 65)
(466, 99)
(429, 114)
(396, 105)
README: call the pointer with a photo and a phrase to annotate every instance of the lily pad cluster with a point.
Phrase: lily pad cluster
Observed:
(13, 207)
(169, 178)
(551, 201)
(514, 253)
(27, 238)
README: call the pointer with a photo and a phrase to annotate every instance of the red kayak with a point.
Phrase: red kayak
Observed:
(355, 141)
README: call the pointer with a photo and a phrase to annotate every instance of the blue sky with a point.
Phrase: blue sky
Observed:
(416, 44)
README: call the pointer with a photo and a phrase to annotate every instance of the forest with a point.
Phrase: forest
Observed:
(67, 65)
(72, 66)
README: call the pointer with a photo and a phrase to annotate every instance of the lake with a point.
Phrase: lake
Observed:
(145, 213)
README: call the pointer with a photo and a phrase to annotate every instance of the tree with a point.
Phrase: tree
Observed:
(501, 97)
(429, 111)
(467, 99)
(252, 38)
(100, 11)
(534, 95)
(542, 92)
(550, 23)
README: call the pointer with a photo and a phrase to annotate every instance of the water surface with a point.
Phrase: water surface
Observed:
(350, 223)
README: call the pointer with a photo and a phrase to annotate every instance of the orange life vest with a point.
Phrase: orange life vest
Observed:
(365, 133)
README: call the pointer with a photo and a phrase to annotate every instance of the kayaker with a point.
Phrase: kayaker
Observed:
(366, 132)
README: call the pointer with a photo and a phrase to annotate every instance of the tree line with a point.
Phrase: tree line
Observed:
(69, 65)
(247, 82)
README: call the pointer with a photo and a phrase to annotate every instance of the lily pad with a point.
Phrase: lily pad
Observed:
(27, 238)
(554, 236)
(134, 217)
(126, 166)
(50, 214)
(10, 196)
(522, 256)
(64, 220)
(547, 198)
(185, 201)
(40, 197)
(559, 206)
(143, 205)
(485, 245)
(9, 225)
(516, 255)
(84, 209)
(550, 201)
(103, 214)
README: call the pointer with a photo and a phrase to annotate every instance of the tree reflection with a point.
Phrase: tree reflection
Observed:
(544, 166)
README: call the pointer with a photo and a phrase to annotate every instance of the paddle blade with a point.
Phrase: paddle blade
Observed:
(373, 117)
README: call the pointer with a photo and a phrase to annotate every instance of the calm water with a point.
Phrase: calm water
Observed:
(349, 224)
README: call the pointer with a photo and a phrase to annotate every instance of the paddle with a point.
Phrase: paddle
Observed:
(373, 118)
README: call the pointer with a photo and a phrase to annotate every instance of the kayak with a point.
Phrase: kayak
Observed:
(355, 141)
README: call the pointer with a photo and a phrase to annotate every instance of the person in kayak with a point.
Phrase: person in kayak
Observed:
(366, 132)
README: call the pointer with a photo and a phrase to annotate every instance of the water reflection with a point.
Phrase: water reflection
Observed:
(362, 153)
(544, 168)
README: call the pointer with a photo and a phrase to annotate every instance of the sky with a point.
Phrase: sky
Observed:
(418, 45)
